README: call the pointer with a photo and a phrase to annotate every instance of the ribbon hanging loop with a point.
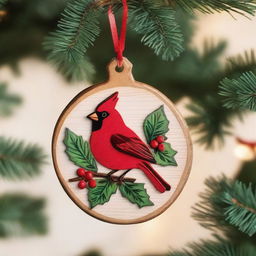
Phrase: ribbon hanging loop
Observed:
(119, 42)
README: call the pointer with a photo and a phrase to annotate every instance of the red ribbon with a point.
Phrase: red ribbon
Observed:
(250, 144)
(119, 43)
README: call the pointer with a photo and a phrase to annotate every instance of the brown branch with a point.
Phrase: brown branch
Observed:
(104, 175)
(235, 201)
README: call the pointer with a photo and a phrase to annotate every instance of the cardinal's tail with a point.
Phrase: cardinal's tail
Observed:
(159, 183)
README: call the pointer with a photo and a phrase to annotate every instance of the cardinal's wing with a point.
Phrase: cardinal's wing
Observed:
(133, 146)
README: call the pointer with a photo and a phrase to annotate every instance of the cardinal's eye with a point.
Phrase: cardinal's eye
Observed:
(104, 114)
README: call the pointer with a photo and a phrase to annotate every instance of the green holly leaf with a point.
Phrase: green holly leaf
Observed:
(166, 157)
(156, 123)
(135, 193)
(79, 151)
(102, 192)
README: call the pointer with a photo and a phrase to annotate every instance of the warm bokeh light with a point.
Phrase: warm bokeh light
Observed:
(245, 152)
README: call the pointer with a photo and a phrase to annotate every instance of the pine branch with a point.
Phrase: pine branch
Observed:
(241, 207)
(211, 6)
(227, 204)
(205, 6)
(241, 63)
(210, 120)
(219, 247)
(158, 26)
(154, 20)
(7, 101)
(19, 161)
(77, 71)
(21, 215)
(239, 93)
(77, 30)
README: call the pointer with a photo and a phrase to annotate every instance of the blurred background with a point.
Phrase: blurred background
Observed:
(36, 215)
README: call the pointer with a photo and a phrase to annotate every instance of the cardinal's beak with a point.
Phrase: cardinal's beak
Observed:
(93, 116)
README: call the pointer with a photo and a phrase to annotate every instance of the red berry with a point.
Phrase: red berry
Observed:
(153, 144)
(81, 172)
(82, 184)
(92, 183)
(161, 147)
(160, 139)
(88, 176)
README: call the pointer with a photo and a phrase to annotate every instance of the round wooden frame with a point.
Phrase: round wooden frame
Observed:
(117, 79)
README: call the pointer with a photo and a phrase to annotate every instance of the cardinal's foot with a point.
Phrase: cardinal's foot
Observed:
(121, 177)
(110, 177)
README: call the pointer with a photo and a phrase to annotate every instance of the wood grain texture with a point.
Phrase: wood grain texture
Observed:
(136, 101)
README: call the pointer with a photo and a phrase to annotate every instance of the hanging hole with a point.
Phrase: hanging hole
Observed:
(119, 69)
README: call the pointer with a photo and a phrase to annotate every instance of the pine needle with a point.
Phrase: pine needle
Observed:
(77, 30)
(241, 63)
(158, 26)
(19, 161)
(211, 6)
(239, 93)
(7, 101)
(227, 205)
(77, 71)
(21, 215)
(210, 120)
(241, 207)
(218, 247)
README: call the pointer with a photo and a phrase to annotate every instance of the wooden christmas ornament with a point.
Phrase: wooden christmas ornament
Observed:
(121, 150)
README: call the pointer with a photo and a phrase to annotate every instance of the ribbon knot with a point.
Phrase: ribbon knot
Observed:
(119, 42)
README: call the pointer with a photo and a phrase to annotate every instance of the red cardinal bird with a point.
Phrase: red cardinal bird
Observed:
(117, 147)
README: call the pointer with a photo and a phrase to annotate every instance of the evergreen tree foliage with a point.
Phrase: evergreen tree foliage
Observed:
(19, 161)
(227, 204)
(80, 70)
(21, 215)
(154, 20)
(211, 6)
(7, 101)
(240, 64)
(240, 77)
(77, 30)
(239, 93)
(158, 28)
(218, 247)
(24, 27)
(241, 207)
(209, 121)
